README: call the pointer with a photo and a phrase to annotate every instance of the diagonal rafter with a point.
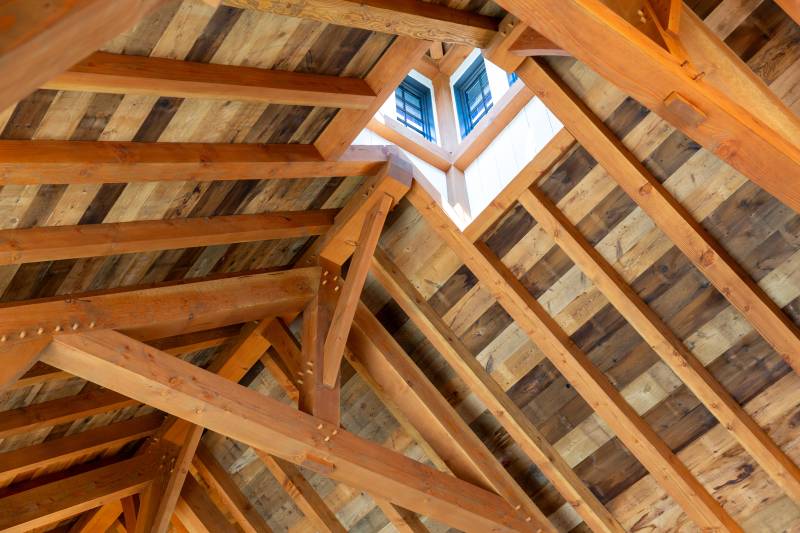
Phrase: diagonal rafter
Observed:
(711, 94)
(688, 235)
(511, 417)
(352, 287)
(642, 441)
(665, 343)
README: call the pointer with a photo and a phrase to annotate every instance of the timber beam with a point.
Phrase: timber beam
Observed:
(95, 240)
(71, 162)
(642, 441)
(42, 38)
(52, 502)
(102, 72)
(175, 386)
(709, 94)
(409, 18)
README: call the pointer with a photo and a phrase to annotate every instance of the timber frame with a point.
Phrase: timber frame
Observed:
(311, 323)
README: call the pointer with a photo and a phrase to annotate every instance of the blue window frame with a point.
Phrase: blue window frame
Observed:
(512, 77)
(473, 96)
(415, 107)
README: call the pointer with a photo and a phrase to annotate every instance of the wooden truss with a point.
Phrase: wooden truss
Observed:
(127, 340)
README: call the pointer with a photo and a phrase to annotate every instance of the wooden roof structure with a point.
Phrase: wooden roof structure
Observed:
(218, 314)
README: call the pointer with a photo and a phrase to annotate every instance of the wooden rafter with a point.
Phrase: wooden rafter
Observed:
(791, 7)
(345, 310)
(59, 411)
(162, 311)
(642, 441)
(217, 478)
(171, 452)
(99, 519)
(70, 162)
(758, 138)
(410, 141)
(178, 345)
(665, 343)
(86, 443)
(511, 417)
(676, 223)
(42, 38)
(409, 18)
(304, 496)
(55, 501)
(127, 74)
(500, 116)
(384, 78)
(198, 513)
(402, 519)
(180, 388)
(339, 243)
(383, 363)
(533, 43)
(95, 240)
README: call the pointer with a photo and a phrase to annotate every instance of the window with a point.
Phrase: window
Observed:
(415, 108)
(473, 96)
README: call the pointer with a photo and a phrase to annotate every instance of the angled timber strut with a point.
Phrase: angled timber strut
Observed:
(333, 265)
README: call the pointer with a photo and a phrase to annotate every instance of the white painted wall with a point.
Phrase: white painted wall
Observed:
(513, 148)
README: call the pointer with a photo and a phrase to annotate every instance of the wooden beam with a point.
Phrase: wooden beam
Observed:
(667, 13)
(178, 345)
(303, 495)
(130, 512)
(381, 360)
(696, 243)
(84, 444)
(17, 360)
(445, 114)
(383, 79)
(729, 111)
(289, 352)
(102, 72)
(180, 437)
(198, 513)
(533, 43)
(495, 121)
(94, 240)
(246, 515)
(59, 500)
(171, 451)
(339, 243)
(664, 342)
(352, 287)
(410, 141)
(791, 8)
(42, 38)
(511, 417)
(642, 441)
(316, 398)
(59, 411)
(403, 520)
(201, 397)
(409, 18)
(427, 67)
(71, 162)
(454, 58)
(99, 519)
(162, 311)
